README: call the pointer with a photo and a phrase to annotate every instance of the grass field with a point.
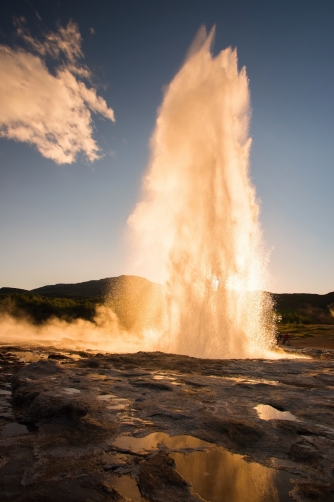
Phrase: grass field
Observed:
(307, 330)
(309, 335)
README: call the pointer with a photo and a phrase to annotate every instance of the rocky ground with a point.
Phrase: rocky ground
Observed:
(79, 426)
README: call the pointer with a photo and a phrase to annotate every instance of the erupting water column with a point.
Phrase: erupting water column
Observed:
(197, 226)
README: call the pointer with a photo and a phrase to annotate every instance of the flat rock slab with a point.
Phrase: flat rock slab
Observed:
(60, 418)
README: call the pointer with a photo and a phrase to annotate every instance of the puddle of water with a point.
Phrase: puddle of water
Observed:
(114, 403)
(97, 376)
(14, 429)
(126, 486)
(267, 412)
(219, 476)
(249, 381)
(71, 390)
(151, 442)
(136, 422)
(115, 458)
(162, 376)
(256, 381)
(215, 474)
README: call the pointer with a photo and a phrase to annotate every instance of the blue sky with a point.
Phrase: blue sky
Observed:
(67, 222)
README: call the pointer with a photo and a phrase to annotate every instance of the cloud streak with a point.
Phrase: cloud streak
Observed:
(52, 111)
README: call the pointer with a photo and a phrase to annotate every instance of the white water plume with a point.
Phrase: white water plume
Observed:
(197, 227)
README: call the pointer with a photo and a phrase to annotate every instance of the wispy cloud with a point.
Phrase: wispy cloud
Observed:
(50, 110)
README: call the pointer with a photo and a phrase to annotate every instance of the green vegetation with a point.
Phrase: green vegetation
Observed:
(304, 309)
(39, 309)
(133, 311)
(136, 301)
(306, 330)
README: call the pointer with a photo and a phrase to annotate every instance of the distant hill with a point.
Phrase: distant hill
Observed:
(305, 308)
(137, 302)
(100, 288)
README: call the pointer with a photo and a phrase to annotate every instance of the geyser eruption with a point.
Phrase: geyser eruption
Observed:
(197, 226)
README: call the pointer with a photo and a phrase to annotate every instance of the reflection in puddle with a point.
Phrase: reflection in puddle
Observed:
(219, 476)
(152, 441)
(14, 429)
(215, 474)
(267, 412)
(162, 376)
(126, 486)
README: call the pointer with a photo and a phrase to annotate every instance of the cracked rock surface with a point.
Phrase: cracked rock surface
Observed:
(163, 427)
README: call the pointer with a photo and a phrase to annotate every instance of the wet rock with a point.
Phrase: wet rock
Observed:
(159, 481)
(240, 432)
(114, 495)
(58, 357)
(112, 466)
(92, 363)
(71, 457)
(314, 492)
(34, 496)
(39, 369)
(193, 383)
(305, 452)
(147, 384)
(293, 428)
(22, 397)
(50, 408)
(173, 415)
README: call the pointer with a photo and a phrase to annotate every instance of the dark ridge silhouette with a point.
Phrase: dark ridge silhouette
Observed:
(298, 299)
(8, 291)
(98, 288)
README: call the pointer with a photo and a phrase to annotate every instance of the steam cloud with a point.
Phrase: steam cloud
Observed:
(197, 227)
(50, 111)
(105, 333)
